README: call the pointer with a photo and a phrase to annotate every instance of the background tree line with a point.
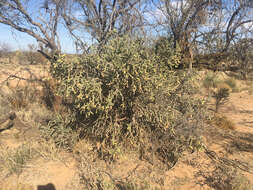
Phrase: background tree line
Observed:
(200, 28)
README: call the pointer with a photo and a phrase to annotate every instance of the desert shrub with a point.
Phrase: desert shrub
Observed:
(241, 56)
(49, 97)
(33, 57)
(123, 97)
(21, 58)
(35, 114)
(4, 105)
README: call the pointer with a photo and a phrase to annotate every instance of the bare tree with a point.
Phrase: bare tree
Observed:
(35, 18)
(183, 20)
(242, 56)
(101, 18)
(240, 20)
(205, 26)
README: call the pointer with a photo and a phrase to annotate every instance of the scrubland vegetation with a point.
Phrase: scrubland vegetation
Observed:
(137, 103)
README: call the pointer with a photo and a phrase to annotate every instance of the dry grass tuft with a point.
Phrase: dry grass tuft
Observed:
(222, 122)
(13, 161)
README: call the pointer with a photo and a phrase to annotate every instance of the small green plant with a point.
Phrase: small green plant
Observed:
(221, 97)
(59, 130)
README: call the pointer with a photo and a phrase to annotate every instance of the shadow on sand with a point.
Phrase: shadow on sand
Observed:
(49, 186)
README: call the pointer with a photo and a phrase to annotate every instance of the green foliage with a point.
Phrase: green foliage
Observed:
(166, 54)
(60, 131)
(124, 97)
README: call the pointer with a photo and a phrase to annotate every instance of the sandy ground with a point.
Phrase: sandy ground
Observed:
(193, 172)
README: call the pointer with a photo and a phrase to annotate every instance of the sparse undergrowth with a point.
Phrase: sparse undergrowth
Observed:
(211, 80)
(99, 175)
(59, 131)
(14, 160)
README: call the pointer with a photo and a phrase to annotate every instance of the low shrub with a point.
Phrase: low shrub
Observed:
(59, 130)
(165, 53)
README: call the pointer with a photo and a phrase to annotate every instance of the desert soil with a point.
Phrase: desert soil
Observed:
(194, 172)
